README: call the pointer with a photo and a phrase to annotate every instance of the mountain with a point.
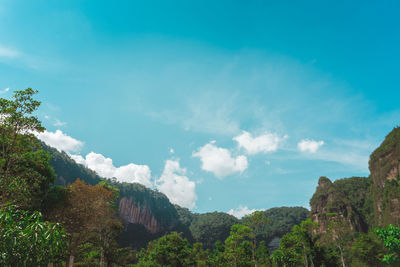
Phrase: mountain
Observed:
(384, 165)
(67, 170)
(148, 214)
(280, 221)
(349, 198)
(363, 202)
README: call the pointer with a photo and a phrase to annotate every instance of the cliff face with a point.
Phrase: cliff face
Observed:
(134, 213)
(384, 165)
(362, 203)
(347, 199)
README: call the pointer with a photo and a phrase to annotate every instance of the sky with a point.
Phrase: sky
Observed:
(229, 106)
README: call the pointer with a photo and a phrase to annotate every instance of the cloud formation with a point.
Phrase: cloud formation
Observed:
(131, 173)
(219, 161)
(8, 52)
(265, 143)
(241, 211)
(4, 91)
(311, 146)
(59, 123)
(176, 185)
(60, 141)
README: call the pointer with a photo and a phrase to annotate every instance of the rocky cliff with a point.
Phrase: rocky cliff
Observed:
(384, 165)
(348, 199)
(148, 214)
(363, 203)
(142, 214)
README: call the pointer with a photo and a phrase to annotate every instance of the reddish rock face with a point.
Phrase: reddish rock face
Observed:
(141, 214)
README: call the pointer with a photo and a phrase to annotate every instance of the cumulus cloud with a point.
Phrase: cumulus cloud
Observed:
(176, 185)
(60, 141)
(311, 146)
(265, 143)
(241, 211)
(78, 159)
(104, 167)
(219, 161)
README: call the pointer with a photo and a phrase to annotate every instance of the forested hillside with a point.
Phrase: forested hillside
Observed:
(148, 214)
(55, 211)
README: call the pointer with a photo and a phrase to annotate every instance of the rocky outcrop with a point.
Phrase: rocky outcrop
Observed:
(384, 165)
(363, 203)
(345, 200)
(134, 213)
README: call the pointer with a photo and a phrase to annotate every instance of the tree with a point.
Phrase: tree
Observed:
(305, 239)
(255, 221)
(339, 233)
(26, 240)
(168, 250)
(391, 239)
(290, 252)
(262, 254)
(200, 255)
(238, 246)
(366, 250)
(24, 168)
(217, 256)
(86, 212)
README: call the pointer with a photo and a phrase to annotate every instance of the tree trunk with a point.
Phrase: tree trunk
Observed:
(70, 261)
(305, 256)
(341, 256)
(102, 257)
(311, 261)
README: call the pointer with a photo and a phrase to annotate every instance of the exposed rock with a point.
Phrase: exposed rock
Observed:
(347, 199)
(134, 213)
(384, 165)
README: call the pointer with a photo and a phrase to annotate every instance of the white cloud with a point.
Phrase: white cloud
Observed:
(176, 185)
(59, 123)
(241, 211)
(219, 160)
(4, 91)
(8, 52)
(311, 146)
(265, 143)
(78, 159)
(104, 167)
(60, 141)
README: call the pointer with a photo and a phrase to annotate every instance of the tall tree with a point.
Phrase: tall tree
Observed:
(255, 221)
(339, 233)
(238, 246)
(168, 250)
(85, 210)
(25, 173)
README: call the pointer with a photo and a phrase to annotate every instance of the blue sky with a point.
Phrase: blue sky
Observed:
(221, 105)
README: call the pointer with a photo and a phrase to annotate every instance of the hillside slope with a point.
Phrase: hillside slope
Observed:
(148, 214)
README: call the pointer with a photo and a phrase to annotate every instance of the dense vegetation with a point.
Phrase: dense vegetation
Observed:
(280, 221)
(56, 212)
(67, 170)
